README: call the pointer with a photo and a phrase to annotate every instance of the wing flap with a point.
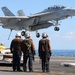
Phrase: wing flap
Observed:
(26, 17)
(15, 18)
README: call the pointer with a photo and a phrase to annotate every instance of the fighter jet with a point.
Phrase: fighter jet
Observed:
(44, 19)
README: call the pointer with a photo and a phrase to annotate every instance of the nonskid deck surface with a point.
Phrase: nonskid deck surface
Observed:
(56, 66)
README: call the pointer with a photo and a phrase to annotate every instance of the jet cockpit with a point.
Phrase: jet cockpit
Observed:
(56, 7)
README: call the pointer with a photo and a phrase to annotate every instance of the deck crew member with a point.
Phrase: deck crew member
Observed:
(15, 48)
(44, 51)
(28, 52)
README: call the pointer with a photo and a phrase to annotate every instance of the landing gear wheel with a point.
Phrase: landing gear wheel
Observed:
(56, 28)
(37, 35)
(23, 33)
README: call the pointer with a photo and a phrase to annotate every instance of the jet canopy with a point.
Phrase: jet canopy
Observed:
(56, 7)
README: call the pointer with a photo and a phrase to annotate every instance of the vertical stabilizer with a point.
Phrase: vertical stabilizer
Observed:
(7, 12)
(20, 13)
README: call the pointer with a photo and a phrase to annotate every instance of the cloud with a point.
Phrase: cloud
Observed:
(69, 35)
(64, 35)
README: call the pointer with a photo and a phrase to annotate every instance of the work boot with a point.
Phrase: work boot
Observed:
(14, 70)
(43, 70)
(47, 71)
(30, 70)
(19, 70)
(24, 69)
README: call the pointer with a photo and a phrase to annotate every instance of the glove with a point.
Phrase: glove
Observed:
(50, 54)
(34, 53)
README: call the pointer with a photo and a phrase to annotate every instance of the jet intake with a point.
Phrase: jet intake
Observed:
(41, 25)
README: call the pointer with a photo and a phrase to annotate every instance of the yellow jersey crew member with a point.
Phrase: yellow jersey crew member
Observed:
(2, 46)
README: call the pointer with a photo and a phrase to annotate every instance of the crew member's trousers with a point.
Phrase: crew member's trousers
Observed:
(16, 60)
(45, 62)
(30, 62)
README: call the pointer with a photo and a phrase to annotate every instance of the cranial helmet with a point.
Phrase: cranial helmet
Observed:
(18, 34)
(44, 35)
(27, 35)
(2, 44)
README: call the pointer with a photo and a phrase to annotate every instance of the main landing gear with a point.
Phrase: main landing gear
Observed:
(56, 29)
(24, 32)
(37, 35)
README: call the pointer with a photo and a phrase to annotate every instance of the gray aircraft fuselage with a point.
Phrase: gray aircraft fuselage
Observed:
(39, 20)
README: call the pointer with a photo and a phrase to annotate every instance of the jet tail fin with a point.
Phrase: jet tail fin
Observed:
(20, 13)
(7, 12)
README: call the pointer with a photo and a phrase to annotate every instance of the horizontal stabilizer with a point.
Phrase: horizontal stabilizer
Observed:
(7, 12)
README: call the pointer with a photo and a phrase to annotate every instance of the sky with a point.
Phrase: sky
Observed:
(63, 39)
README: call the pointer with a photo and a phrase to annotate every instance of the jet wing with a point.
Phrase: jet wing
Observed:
(12, 18)
(42, 14)
(25, 17)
